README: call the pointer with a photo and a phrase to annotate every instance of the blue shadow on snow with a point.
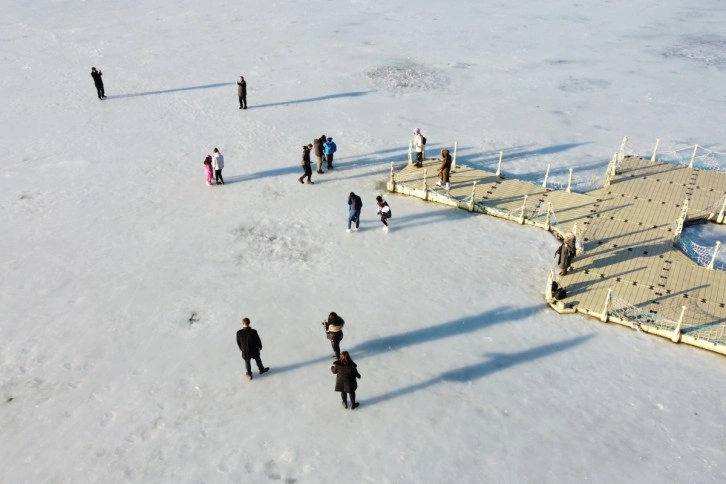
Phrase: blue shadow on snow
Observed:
(167, 91)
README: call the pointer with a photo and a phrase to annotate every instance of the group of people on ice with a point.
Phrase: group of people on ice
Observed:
(325, 149)
(345, 369)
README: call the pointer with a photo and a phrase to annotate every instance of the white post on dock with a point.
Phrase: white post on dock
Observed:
(574, 229)
(693, 156)
(548, 289)
(453, 160)
(655, 150)
(473, 195)
(548, 221)
(720, 217)
(425, 186)
(524, 207)
(621, 152)
(611, 169)
(569, 182)
(499, 165)
(391, 182)
(606, 310)
(410, 153)
(547, 174)
(715, 253)
(677, 332)
(680, 222)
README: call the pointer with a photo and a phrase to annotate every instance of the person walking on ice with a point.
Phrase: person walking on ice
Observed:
(250, 345)
(355, 204)
(307, 169)
(98, 82)
(346, 382)
(208, 169)
(329, 148)
(218, 165)
(384, 211)
(334, 332)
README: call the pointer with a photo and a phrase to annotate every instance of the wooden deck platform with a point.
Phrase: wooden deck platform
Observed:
(630, 272)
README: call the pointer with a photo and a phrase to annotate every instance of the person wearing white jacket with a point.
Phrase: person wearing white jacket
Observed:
(418, 144)
(218, 164)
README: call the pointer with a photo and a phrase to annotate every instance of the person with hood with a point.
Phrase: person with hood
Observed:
(96, 75)
(208, 169)
(418, 145)
(218, 165)
(346, 382)
(444, 169)
(566, 251)
(242, 92)
(384, 211)
(318, 145)
(355, 204)
(334, 332)
(307, 169)
(329, 148)
(250, 345)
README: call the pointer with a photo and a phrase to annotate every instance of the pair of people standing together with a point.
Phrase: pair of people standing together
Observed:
(214, 164)
(343, 367)
(355, 204)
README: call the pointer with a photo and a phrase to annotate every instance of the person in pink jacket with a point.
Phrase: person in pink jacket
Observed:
(208, 169)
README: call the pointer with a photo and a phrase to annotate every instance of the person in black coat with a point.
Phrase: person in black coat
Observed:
(96, 75)
(242, 92)
(334, 331)
(250, 345)
(346, 383)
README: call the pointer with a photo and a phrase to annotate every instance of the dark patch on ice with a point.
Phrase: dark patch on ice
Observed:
(581, 84)
(193, 318)
(708, 50)
(25, 196)
(408, 76)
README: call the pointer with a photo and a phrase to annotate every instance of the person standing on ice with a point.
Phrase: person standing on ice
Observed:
(444, 169)
(418, 145)
(96, 75)
(250, 345)
(355, 204)
(384, 211)
(307, 169)
(218, 165)
(208, 169)
(318, 144)
(242, 92)
(334, 331)
(329, 148)
(346, 380)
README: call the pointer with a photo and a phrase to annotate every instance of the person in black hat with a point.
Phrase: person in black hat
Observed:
(96, 75)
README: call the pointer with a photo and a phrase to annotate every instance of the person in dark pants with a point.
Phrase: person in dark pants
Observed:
(318, 144)
(242, 92)
(329, 149)
(334, 331)
(96, 75)
(354, 206)
(250, 345)
(384, 211)
(218, 165)
(307, 169)
(566, 252)
(346, 380)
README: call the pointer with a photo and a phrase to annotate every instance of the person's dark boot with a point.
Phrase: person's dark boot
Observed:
(345, 404)
(264, 370)
(356, 405)
(249, 375)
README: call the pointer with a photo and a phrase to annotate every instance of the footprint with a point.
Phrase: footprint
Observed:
(108, 419)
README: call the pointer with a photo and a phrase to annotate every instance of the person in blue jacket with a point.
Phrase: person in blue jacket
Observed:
(328, 149)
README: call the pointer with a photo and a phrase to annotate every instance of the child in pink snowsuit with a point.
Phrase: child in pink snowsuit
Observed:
(208, 169)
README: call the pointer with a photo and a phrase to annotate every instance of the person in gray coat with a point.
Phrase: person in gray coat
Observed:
(346, 380)
(242, 92)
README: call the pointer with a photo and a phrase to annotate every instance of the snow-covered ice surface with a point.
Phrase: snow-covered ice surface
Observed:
(124, 277)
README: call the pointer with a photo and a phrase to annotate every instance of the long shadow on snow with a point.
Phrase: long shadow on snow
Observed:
(167, 91)
(421, 335)
(313, 99)
(495, 362)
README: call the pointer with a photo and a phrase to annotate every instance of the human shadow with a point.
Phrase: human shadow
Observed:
(495, 362)
(312, 99)
(458, 327)
(168, 91)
